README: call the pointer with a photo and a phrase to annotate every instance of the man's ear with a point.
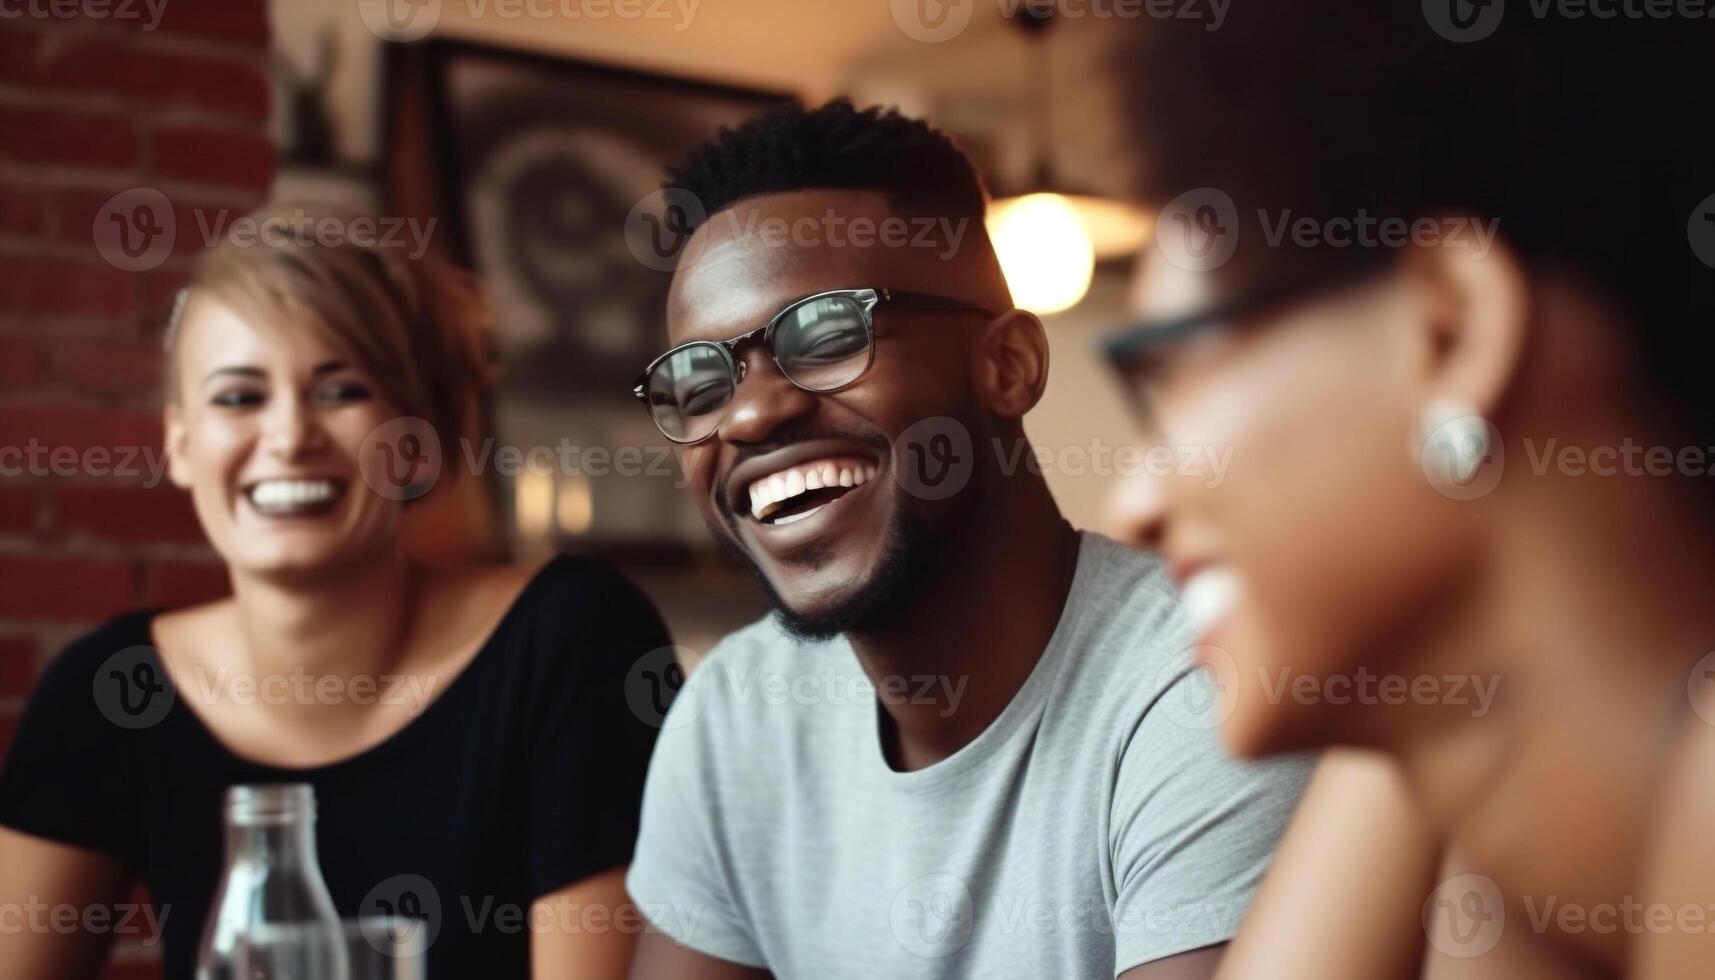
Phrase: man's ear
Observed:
(178, 468)
(1475, 298)
(1012, 368)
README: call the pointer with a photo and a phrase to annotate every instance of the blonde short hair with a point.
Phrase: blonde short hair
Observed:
(419, 327)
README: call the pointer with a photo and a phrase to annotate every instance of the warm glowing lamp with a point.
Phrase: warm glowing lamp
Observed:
(1044, 250)
(1048, 241)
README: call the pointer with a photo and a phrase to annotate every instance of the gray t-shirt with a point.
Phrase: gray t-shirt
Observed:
(1097, 824)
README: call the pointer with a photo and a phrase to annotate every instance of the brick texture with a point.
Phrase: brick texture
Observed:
(93, 110)
(17, 665)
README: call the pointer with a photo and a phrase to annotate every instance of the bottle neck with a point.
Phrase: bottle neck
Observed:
(287, 845)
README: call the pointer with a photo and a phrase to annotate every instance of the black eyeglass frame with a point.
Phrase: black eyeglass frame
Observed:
(867, 298)
(1126, 346)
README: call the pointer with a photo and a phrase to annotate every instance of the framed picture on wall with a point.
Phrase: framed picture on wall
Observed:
(535, 166)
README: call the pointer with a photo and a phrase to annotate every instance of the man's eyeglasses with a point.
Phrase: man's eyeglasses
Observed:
(821, 343)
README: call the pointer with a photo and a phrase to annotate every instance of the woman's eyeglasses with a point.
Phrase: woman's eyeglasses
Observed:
(1135, 352)
(820, 343)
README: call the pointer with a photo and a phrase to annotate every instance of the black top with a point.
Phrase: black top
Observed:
(523, 774)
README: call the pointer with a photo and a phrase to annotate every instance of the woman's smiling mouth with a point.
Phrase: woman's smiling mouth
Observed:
(295, 497)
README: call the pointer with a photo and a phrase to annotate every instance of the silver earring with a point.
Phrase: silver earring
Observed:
(1453, 442)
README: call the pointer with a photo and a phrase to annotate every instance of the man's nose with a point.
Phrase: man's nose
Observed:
(1137, 511)
(763, 401)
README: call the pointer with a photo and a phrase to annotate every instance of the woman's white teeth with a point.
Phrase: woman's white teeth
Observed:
(1209, 595)
(291, 493)
(770, 493)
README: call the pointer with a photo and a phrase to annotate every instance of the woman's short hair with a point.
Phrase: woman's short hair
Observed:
(418, 327)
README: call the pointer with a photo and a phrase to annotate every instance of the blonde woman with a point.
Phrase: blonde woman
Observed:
(466, 729)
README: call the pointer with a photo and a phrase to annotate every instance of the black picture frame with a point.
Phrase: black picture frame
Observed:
(531, 165)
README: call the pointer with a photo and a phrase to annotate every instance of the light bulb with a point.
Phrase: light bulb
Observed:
(1044, 250)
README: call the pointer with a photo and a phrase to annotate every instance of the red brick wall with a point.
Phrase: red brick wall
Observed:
(96, 99)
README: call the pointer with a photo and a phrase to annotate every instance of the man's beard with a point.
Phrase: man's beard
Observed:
(908, 557)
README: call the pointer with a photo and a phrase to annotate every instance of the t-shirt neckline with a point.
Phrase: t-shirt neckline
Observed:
(395, 741)
(1007, 725)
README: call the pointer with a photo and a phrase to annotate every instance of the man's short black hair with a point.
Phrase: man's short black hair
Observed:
(1588, 138)
(835, 147)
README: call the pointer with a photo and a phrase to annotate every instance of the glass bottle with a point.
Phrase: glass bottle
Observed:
(272, 887)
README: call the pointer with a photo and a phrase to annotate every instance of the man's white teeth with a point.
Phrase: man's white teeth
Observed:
(795, 518)
(291, 493)
(770, 493)
(1209, 595)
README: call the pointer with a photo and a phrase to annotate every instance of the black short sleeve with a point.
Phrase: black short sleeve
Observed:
(65, 777)
(589, 751)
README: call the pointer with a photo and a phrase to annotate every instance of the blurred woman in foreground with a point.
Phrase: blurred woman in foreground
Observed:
(1444, 288)
(465, 729)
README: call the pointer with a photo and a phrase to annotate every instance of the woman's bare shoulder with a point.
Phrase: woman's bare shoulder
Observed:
(1679, 876)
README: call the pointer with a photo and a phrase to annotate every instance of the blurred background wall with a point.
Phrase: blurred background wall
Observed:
(219, 105)
(90, 109)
